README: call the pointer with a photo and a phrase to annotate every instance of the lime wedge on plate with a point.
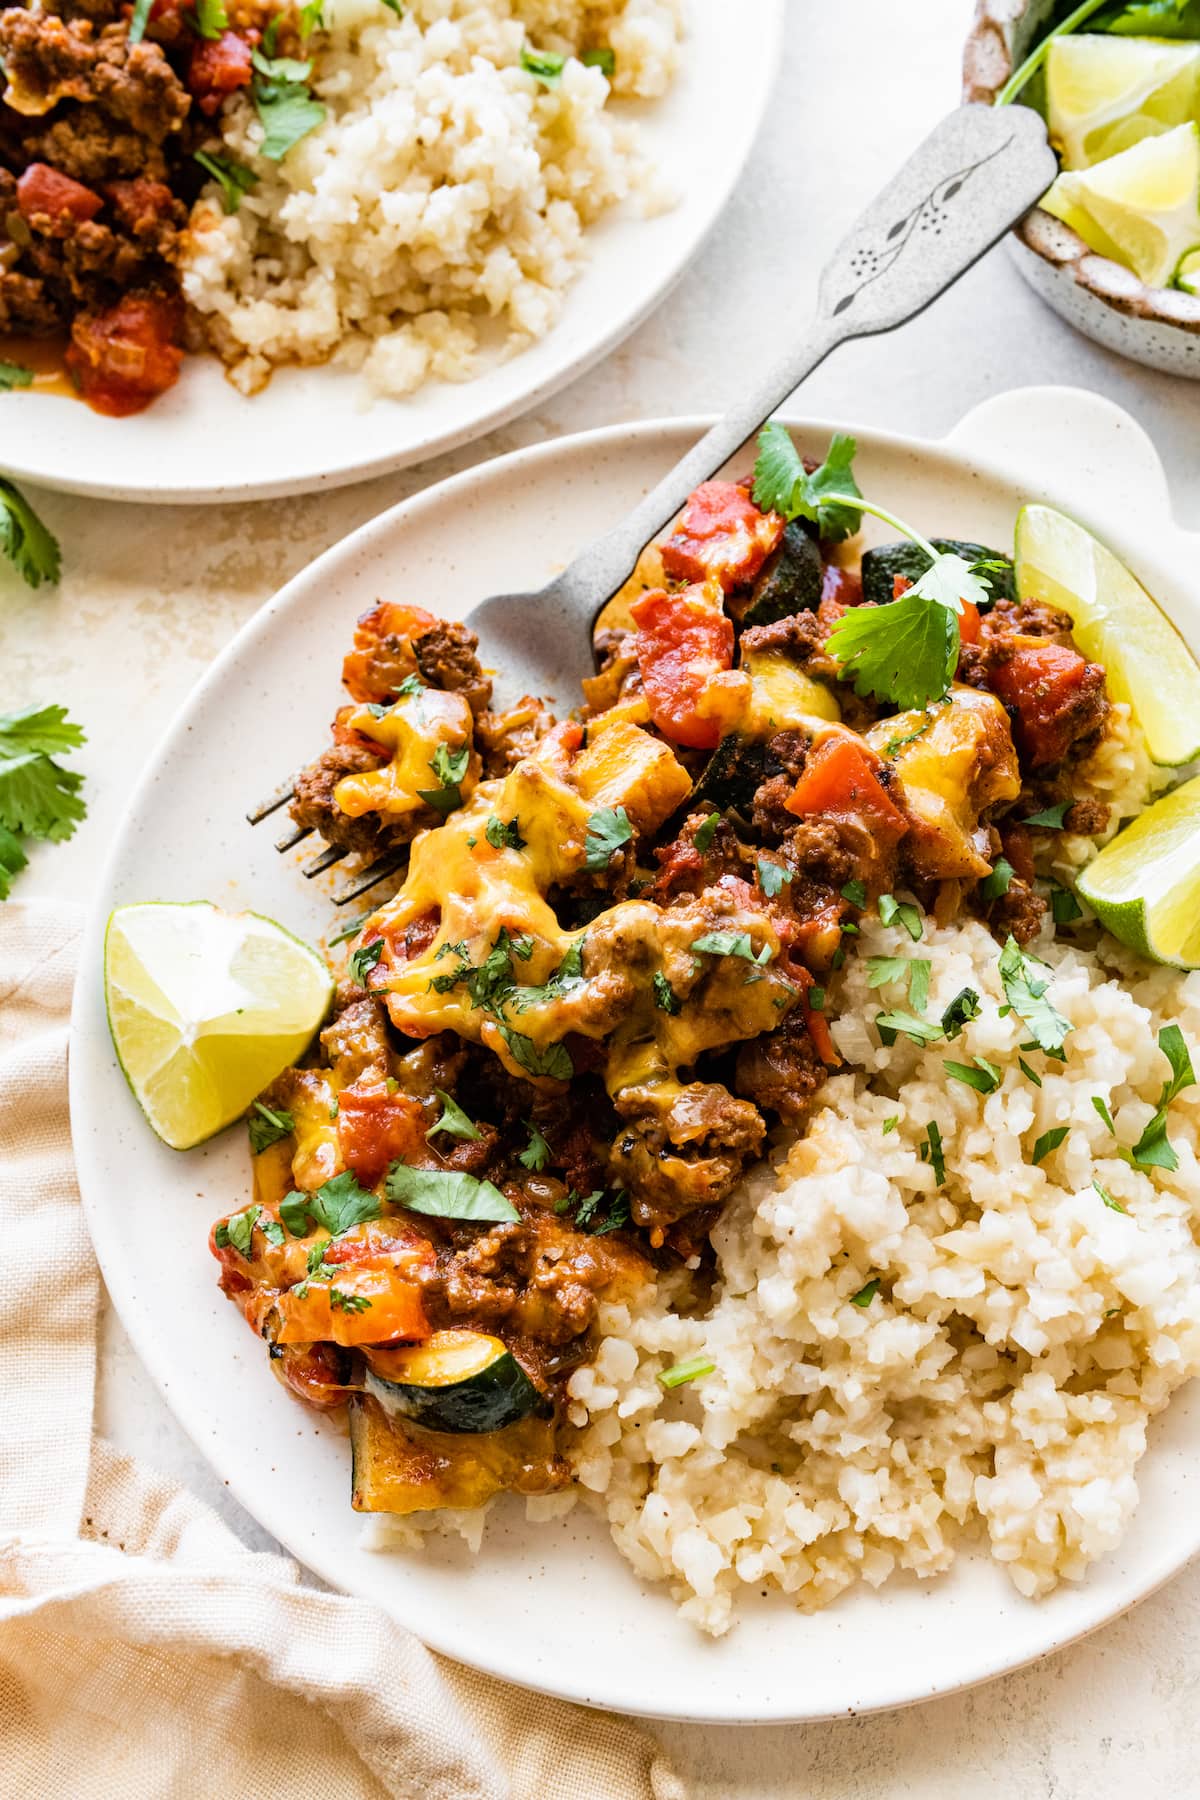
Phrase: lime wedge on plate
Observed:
(1142, 207)
(1118, 624)
(1145, 886)
(1187, 275)
(1104, 94)
(205, 1009)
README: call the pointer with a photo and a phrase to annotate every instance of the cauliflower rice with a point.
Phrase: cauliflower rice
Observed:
(437, 217)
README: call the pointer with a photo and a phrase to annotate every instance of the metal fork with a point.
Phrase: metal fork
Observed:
(973, 178)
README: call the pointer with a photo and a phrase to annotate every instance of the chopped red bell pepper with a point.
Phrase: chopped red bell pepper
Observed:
(122, 359)
(43, 192)
(370, 675)
(839, 777)
(682, 642)
(377, 1127)
(218, 68)
(1056, 696)
(721, 534)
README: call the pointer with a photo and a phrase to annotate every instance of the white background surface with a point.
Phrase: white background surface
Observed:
(151, 594)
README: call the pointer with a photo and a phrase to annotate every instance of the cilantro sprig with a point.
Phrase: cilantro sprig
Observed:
(828, 498)
(29, 546)
(38, 797)
(1025, 990)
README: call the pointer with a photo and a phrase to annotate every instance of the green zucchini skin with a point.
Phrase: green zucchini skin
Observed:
(732, 775)
(486, 1401)
(882, 564)
(790, 580)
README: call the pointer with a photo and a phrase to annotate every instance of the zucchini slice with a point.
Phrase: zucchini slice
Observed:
(454, 1381)
(401, 1468)
(790, 581)
(736, 768)
(881, 565)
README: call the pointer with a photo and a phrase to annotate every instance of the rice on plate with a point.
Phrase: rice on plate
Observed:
(437, 216)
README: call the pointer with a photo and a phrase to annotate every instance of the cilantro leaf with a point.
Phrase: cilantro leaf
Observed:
(12, 860)
(985, 1078)
(1154, 1149)
(449, 766)
(42, 728)
(866, 1294)
(999, 881)
(782, 484)
(689, 1370)
(1049, 1140)
(13, 375)
(337, 1205)
(238, 1231)
(706, 833)
(449, 1194)
(772, 877)
(554, 1061)
(931, 1151)
(1064, 906)
(504, 834)
(312, 18)
(287, 112)
(1025, 991)
(919, 970)
(270, 1127)
(731, 943)
(607, 830)
(234, 178)
(1113, 1205)
(32, 550)
(340, 1301)
(139, 19)
(536, 1153)
(903, 912)
(363, 960)
(906, 651)
(856, 893)
(605, 60)
(1101, 1107)
(352, 930)
(280, 68)
(665, 997)
(962, 1009)
(38, 796)
(949, 580)
(890, 1124)
(454, 1121)
(921, 1031)
(211, 18)
(1051, 819)
(545, 66)
(884, 969)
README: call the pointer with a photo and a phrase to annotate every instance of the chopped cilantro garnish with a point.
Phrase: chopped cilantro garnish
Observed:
(690, 1370)
(448, 1194)
(866, 1294)
(340, 1301)
(14, 375)
(985, 1078)
(449, 766)
(856, 893)
(883, 969)
(999, 881)
(238, 1231)
(286, 111)
(962, 1009)
(270, 1127)
(312, 18)
(1025, 991)
(782, 483)
(731, 943)
(1064, 906)
(545, 66)
(607, 830)
(901, 912)
(504, 834)
(38, 797)
(604, 60)
(363, 960)
(1051, 819)
(772, 876)
(211, 18)
(1030, 1074)
(918, 983)
(932, 1153)
(890, 1124)
(536, 1153)
(816, 999)
(454, 1121)
(1114, 1205)
(921, 1031)
(138, 21)
(1049, 1140)
(554, 1061)
(32, 550)
(706, 833)
(1153, 1149)
(234, 178)
(352, 930)
(1101, 1107)
(272, 1230)
(665, 997)
(337, 1205)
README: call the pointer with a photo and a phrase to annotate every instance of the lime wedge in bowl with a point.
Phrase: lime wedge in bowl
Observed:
(1118, 624)
(1144, 887)
(205, 1009)
(1142, 208)
(1187, 275)
(1105, 94)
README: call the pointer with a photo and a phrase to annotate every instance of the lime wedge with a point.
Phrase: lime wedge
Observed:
(1104, 94)
(1142, 207)
(205, 1009)
(1145, 885)
(1187, 275)
(1116, 623)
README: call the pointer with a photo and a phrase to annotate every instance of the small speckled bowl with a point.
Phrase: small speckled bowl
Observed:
(1156, 326)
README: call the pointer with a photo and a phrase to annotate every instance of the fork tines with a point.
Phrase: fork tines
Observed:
(278, 797)
(378, 871)
(325, 858)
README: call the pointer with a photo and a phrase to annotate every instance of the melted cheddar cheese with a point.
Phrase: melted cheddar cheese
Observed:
(415, 728)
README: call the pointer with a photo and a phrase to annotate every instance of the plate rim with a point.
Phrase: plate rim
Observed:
(494, 417)
(969, 454)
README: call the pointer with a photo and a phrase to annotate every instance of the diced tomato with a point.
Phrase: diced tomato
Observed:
(370, 677)
(1054, 693)
(315, 1373)
(721, 535)
(683, 642)
(839, 777)
(141, 204)
(841, 587)
(43, 193)
(345, 733)
(818, 1031)
(218, 68)
(376, 1127)
(372, 1306)
(122, 359)
(381, 1244)
(970, 625)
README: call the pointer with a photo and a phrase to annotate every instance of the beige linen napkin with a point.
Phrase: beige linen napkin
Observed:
(144, 1651)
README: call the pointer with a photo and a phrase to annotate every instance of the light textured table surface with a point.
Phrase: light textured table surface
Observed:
(150, 595)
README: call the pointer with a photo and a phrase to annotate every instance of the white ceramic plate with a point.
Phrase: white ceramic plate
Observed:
(315, 428)
(552, 1606)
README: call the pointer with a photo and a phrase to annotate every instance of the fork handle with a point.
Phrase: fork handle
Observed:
(976, 174)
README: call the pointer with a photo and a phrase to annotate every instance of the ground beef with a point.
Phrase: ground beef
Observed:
(356, 1039)
(446, 658)
(782, 1072)
(687, 1156)
(799, 637)
(47, 60)
(503, 739)
(314, 807)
